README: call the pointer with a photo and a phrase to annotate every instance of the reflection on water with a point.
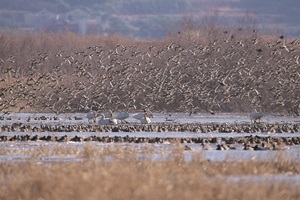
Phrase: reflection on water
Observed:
(160, 151)
(69, 118)
(163, 150)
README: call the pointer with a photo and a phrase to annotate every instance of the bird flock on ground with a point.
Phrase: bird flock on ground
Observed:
(231, 143)
(226, 72)
(109, 119)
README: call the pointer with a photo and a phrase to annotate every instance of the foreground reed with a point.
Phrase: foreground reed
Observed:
(120, 173)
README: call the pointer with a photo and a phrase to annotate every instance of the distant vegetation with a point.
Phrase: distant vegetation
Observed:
(134, 18)
(142, 19)
(124, 7)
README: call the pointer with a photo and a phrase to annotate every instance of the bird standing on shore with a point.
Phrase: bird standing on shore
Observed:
(122, 116)
(92, 115)
(106, 121)
(142, 117)
(256, 115)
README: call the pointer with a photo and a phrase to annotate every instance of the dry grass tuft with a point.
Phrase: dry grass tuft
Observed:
(114, 172)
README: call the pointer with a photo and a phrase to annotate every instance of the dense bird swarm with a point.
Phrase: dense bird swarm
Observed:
(193, 71)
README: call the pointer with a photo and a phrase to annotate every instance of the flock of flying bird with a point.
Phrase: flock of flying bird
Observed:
(228, 72)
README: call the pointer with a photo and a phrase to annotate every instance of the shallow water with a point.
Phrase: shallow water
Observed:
(230, 118)
(162, 150)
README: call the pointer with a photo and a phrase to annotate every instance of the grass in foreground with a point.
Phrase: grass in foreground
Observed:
(127, 177)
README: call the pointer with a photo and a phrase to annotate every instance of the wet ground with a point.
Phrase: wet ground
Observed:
(166, 144)
(161, 150)
(69, 118)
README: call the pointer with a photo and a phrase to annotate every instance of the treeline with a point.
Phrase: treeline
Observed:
(102, 6)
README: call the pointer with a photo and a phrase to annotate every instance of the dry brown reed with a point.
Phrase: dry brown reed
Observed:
(123, 175)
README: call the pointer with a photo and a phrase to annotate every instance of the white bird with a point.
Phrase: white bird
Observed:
(122, 116)
(138, 116)
(92, 115)
(142, 117)
(149, 113)
(108, 114)
(106, 121)
(256, 115)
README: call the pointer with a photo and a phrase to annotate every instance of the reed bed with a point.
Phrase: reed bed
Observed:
(125, 176)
